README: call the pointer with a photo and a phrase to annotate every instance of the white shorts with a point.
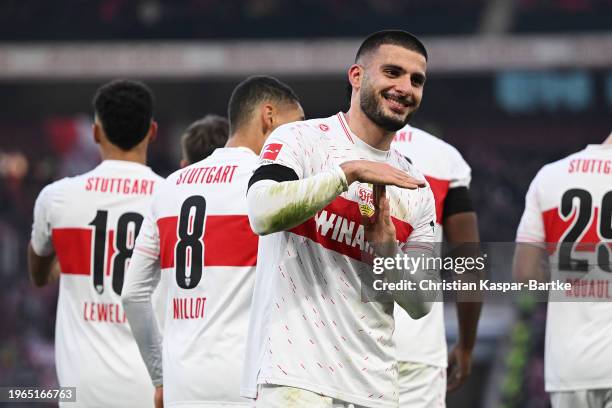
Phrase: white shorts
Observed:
(280, 396)
(421, 385)
(582, 399)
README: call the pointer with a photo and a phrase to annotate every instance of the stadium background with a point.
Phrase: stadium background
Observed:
(512, 84)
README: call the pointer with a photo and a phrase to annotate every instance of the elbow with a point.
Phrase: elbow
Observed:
(259, 225)
(38, 281)
(420, 311)
(417, 310)
(127, 298)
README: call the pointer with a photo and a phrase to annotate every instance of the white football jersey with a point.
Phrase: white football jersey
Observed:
(311, 327)
(91, 221)
(424, 340)
(570, 202)
(199, 232)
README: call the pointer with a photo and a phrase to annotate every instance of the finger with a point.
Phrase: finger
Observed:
(381, 191)
(366, 222)
(412, 180)
(454, 382)
(376, 198)
(403, 180)
(386, 211)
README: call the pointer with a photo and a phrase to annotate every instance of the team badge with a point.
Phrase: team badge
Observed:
(365, 194)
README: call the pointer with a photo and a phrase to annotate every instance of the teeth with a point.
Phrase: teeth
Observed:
(395, 100)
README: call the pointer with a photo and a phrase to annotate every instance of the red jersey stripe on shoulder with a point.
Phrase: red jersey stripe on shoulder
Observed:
(344, 125)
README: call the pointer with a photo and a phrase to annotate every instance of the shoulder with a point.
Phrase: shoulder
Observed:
(156, 177)
(309, 130)
(555, 169)
(414, 138)
(63, 185)
(399, 160)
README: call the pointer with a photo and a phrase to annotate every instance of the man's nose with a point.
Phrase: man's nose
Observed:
(404, 88)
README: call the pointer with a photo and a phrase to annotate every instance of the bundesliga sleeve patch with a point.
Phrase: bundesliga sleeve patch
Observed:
(271, 151)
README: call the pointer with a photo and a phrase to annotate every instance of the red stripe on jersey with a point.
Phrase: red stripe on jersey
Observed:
(555, 228)
(168, 236)
(73, 249)
(337, 225)
(111, 251)
(228, 241)
(344, 127)
(439, 188)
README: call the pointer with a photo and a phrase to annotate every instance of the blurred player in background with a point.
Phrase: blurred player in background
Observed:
(314, 340)
(421, 344)
(568, 223)
(198, 235)
(202, 137)
(90, 222)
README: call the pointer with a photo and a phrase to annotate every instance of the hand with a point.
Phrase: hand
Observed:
(459, 367)
(373, 172)
(158, 398)
(379, 229)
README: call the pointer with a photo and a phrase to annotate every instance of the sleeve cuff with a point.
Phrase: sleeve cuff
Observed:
(41, 250)
(340, 173)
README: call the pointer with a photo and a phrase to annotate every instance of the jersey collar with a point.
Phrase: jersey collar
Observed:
(607, 146)
(121, 164)
(377, 154)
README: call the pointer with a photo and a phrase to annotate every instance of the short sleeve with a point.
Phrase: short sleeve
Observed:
(460, 171)
(424, 232)
(41, 228)
(286, 146)
(531, 227)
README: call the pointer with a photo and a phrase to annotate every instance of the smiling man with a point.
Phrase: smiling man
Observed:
(329, 193)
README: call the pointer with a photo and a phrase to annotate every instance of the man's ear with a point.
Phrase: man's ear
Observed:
(95, 131)
(152, 131)
(355, 75)
(267, 112)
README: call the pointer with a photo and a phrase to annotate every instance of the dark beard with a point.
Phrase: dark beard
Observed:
(372, 109)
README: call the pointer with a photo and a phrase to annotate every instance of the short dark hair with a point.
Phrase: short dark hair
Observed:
(253, 90)
(125, 109)
(203, 136)
(393, 37)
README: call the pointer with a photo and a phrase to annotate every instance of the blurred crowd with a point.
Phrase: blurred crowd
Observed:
(205, 19)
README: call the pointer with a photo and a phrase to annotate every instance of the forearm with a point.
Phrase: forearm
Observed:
(418, 300)
(41, 268)
(141, 279)
(144, 327)
(274, 206)
(468, 314)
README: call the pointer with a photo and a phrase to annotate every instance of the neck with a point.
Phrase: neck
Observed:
(136, 155)
(608, 140)
(367, 130)
(246, 137)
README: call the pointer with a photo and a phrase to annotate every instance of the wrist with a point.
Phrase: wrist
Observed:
(349, 171)
(464, 347)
